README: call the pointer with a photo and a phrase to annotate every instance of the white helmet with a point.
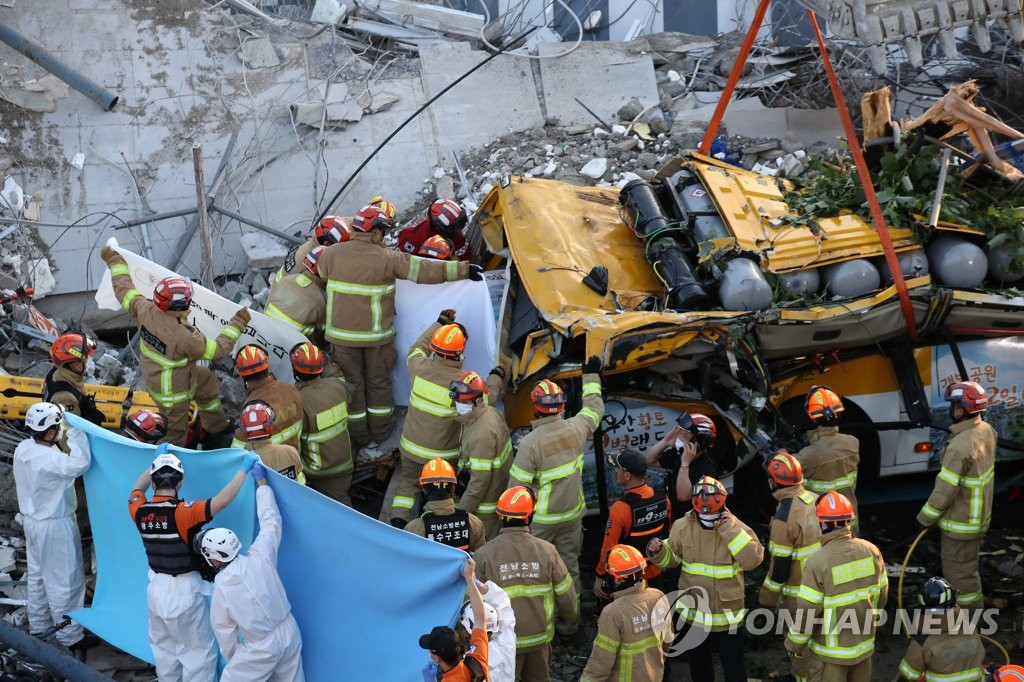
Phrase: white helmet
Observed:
(167, 461)
(218, 543)
(42, 417)
(490, 615)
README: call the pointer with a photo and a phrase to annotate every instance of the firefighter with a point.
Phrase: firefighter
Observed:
(300, 299)
(65, 383)
(436, 247)
(844, 584)
(940, 649)
(253, 364)
(360, 276)
(639, 515)
(485, 448)
(326, 451)
(712, 548)
(445, 218)
(535, 577)
(961, 502)
(686, 452)
(257, 423)
(630, 630)
(430, 429)
(170, 347)
(442, 521)
(794, 537)
(330, 230)
(830, 460)
(145, 426)
(550, 457)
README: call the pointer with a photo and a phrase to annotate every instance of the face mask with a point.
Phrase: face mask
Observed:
(463, 408)
(708, 521)
(679, 444)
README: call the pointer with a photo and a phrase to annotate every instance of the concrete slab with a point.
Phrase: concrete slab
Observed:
(502, 94)
(604, 76)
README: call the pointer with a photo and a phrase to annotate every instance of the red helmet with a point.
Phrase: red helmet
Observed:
(446, 217)
(833, 507)
(308, 360)
(516, 503)
(625, 560)
(70, 348)
(146, 426)
(784, 469)
(251, 360)
(256, 420)
(467, 388)
(332, 230)
(823, 403)
(173, 293)
(437, 472)
(449, 341)
(436, 247)
(385, 206)
(701, 426)
(371, 218)
(548, 397)
(969, 395)
(312, 258)
(708, 496)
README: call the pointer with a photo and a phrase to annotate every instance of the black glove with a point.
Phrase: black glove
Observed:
(498, 372)
(592, 365)
(476, 273)
(447, 316)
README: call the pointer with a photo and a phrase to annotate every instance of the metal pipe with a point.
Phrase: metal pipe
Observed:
(943, 172)
(155, 217)
(38, 54)
(291, 239)
(45, 654)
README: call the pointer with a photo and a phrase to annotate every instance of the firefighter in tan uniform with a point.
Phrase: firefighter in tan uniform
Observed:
(536, 580)
(330, 230)
(712, 549)
(170, 347)
(301, 299)
(430, 428)
(550, 459)
(632, 629)
(441, 521)
(943, 646)
(65, 383)
(326, 451)
(485, 447)
(831, 459)
(794, 537)
(253, 364)
(844, 583)
(257, 422)
(961, 502)
(360, 277)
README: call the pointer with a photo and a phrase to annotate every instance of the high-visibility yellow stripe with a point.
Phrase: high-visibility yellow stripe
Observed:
(853, 570)
(424, 452)
(126, 302)
(821, 486)
(273, 311)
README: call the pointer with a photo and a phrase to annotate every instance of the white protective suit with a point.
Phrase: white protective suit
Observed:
(45, 478)
(179, 628)
(249, 603)
(501, 648)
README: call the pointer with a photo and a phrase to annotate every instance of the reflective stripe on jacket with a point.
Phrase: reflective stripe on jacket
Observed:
(430, 429)
(795, 537)
(486, 449)
(939, 652)
(286, 402)
(630, 632)
(326, 448)
(300, 301)
(830, 462)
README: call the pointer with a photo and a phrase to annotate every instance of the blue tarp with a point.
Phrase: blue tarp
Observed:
(361, 591)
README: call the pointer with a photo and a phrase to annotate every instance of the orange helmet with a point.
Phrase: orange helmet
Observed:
(437, 472)
(70, 348)
(251, 360)
(307, 360)
(833, 507)
(449, 341)
(1009, 673)
(384, 206)
(967, 394)
(784, 469)
(146, 426)
(313, 258)
(548, 397)
(823, 403)
(257, 420)
(436, 247)
(467, 388)
(371, 218)
(173, 293)
(625, 560)
(332, 230)
(708, 496)
(516, 503)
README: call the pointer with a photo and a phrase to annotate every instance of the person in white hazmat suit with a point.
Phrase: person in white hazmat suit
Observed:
(44, 477)
(501, 631)
(250, 613)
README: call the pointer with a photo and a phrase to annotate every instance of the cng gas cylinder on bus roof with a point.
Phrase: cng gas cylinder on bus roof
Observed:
(913, 263)
(850, 278)
(957, 262)
(801, 282)
(743, 286)
(1000, 265)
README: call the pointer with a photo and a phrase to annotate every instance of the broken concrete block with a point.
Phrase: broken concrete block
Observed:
(630, 110)
(108, 370)
(377, 102)
(329, 12)
(263, 251)
(12, 197)
(259, 53)
(38, 272)
(445, 187)
(595, 168)
(78, 161)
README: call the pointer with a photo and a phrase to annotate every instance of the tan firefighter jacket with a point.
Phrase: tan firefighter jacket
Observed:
(300, 301)
(486, 450)
(843, 585)
(830, 462)
(326, 450)
(795, 536)
(711, 563)
(630, 634)
(286, 402)
(294, 262)
(940, 650)
(430, 428)
(169, 344)
(284, 459)
(360, 276)
(550, 458)
(961, 501)
(536, 580)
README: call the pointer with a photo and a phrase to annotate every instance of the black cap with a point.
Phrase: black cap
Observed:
(441, 642)
(629, 460)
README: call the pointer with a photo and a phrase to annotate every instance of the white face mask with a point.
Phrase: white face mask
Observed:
(679, 444)
(463, 408)
(708, 520)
